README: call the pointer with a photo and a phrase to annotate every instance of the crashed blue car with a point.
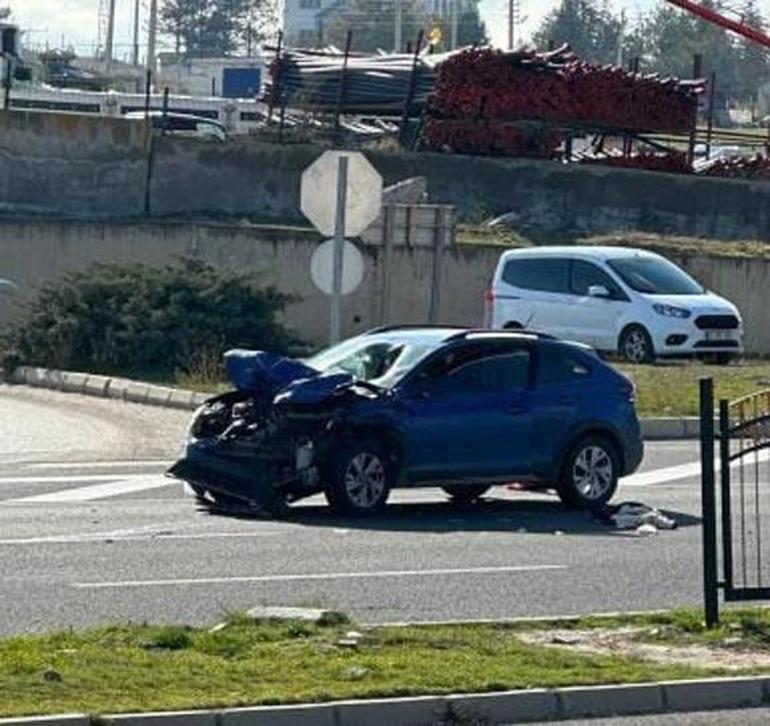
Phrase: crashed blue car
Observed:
(459, 409)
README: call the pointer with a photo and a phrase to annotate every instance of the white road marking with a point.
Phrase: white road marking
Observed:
(316, 576)
(146, 537)
(98, 464)
(130, 485)
(676, 473)
(62, 479)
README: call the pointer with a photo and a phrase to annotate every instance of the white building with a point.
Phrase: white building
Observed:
(303, 19)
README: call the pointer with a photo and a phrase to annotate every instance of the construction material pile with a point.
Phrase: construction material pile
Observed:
(497, 88)
(739, 167)
(372, 84)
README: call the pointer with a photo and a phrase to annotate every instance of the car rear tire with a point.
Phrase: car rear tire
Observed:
(463, 495)
(360, 478)
(636, 345)
(589, 476)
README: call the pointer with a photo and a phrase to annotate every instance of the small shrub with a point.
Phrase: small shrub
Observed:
(333, 619)
(136, 319)
(170, 638)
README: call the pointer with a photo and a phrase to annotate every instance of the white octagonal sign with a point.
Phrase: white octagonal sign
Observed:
(319, 193)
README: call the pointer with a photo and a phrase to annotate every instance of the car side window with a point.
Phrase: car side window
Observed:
(585, 274)
(547, 274)
(556, 365)
(499, 373)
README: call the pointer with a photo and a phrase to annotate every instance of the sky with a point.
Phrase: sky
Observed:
(74, 22)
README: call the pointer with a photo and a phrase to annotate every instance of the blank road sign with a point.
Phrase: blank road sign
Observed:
(319, 193)
(322, 267)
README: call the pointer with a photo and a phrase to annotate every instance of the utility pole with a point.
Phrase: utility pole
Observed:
(511, 17)
(137, 5)
(108, 45)
(453, 20)
(398, 42)
(152, 36)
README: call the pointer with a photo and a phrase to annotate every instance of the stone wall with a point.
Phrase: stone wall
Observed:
(32, 252)
(106, 168)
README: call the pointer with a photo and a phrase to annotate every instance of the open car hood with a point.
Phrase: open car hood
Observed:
(260, 373)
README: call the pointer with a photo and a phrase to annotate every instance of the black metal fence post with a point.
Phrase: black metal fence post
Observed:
(727, 526)
(341, 90)
(411, 90)
(708, 503)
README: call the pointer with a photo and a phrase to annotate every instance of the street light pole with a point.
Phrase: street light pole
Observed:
(454, 24)
(108, 45)
(152, 36)
(398, 40)
(137, 5)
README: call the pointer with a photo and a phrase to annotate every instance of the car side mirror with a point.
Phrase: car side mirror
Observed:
(599, 291)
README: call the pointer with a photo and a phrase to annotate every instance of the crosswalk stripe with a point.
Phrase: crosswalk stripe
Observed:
(129, 485)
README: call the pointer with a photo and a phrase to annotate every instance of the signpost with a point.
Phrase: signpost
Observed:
(341, 195)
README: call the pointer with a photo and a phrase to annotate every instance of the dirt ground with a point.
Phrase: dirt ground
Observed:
(630, 642)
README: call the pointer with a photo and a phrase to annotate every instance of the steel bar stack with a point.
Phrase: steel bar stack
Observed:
(373, 84)
(487, 100)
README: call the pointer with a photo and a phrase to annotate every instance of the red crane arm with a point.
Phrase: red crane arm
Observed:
(718, 19)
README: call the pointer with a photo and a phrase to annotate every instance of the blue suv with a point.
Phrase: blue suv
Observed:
(459, 409)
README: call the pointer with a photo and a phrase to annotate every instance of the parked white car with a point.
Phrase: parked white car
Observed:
(614, 299)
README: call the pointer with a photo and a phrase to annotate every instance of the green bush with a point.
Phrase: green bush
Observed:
(135, 319)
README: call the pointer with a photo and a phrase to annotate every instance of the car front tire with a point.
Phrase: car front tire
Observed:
(589, 476)
(636, 345)
(360, 478)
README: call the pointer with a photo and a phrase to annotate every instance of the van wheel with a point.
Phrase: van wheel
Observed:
(589, 476)
(636, 345)
(513, 325)
(463, 495)
(360, 478)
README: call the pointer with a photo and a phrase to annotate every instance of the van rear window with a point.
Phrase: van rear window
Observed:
(545, 274)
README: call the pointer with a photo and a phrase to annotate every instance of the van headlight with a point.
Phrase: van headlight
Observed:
(670, 311)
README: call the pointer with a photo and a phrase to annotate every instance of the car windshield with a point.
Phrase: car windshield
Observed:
(382, 362)
(655, 276)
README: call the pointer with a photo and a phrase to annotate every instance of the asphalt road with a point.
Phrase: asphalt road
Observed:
(744, 717)
(91, 531)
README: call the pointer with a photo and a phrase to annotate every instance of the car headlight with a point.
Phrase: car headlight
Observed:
(670, 311)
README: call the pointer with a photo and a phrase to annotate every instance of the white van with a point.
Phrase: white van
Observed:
(615, 299)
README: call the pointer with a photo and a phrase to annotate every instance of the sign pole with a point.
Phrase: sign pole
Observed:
(335, 332)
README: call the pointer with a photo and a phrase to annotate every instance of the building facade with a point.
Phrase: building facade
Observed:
(303, 20)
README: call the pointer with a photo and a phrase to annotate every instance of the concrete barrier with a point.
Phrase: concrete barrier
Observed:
(491, 708)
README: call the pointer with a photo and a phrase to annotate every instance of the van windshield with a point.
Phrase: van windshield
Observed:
(655, 276)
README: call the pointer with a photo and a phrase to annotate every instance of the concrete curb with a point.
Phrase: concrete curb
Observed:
(124, 389)
(489, 708)
(121, 389)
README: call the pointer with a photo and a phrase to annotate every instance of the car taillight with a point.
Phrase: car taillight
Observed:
(489, 302)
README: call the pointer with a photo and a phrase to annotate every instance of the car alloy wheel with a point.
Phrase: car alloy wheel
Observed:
(359, 477)
(589, 476)
(592, 473)
(365, 480)
(636, 346)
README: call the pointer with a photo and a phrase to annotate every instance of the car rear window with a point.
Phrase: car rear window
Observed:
(557, 365)
(496, 374)
(547, 274)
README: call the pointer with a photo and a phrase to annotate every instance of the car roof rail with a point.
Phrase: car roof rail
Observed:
(509, 333)
(412, 326)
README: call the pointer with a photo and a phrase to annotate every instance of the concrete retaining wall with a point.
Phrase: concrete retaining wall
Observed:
(98, 167)
(32, 252)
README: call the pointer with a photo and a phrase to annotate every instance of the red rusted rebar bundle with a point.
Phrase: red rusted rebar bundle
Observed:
(490, 86)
